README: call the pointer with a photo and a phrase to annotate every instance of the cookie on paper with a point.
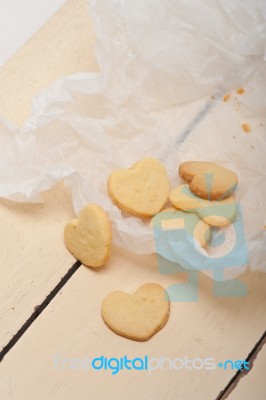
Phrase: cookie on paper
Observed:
(173, 219)
(208, 180)
(141, 190)
(214, 213)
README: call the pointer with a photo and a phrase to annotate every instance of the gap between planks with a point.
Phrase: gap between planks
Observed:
(223, 395)
(39, 309)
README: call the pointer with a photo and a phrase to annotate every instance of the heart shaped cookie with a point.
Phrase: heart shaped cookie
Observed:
(214, 213)
(137, 316)
(208, 180)
(190, 225)
(141, 190)
(89, 237)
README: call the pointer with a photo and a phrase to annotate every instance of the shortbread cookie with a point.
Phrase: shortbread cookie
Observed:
(141, 190)
(137, 316)
(194, 227)
(89, 237)
(214, 213)
(208, 180)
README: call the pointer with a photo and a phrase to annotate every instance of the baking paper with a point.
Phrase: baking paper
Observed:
(177, 80)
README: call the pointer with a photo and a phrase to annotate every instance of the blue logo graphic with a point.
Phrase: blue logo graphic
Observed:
(178, 250)
(146, 363)
(238, 364)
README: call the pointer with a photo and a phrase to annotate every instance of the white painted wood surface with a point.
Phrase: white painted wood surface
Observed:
(72, 327)
(61, 47)
(252, 386)
(33, 256)
(33, 259)
(20, 20)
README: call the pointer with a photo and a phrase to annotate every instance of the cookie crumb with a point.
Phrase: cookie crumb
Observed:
(227, 97)
(240, 91)
(246, 128)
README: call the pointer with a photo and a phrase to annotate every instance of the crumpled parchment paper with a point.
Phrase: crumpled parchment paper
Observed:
(164, 68)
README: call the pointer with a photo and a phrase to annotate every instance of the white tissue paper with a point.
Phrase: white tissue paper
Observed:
(164, 67)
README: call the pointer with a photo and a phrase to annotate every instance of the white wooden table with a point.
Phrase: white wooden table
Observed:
(34, 259)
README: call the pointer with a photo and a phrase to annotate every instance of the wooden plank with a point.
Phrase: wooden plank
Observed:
(33, 256)
(63, 46)
(20, 21)
(252, 385)
(71, 327)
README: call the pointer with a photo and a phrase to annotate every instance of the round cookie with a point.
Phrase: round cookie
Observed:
(137, 316)
(141, 190)
(89, 237)
(208, 180)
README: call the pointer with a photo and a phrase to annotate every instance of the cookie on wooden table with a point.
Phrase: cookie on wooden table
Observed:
(137, 316)
(89, 236)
